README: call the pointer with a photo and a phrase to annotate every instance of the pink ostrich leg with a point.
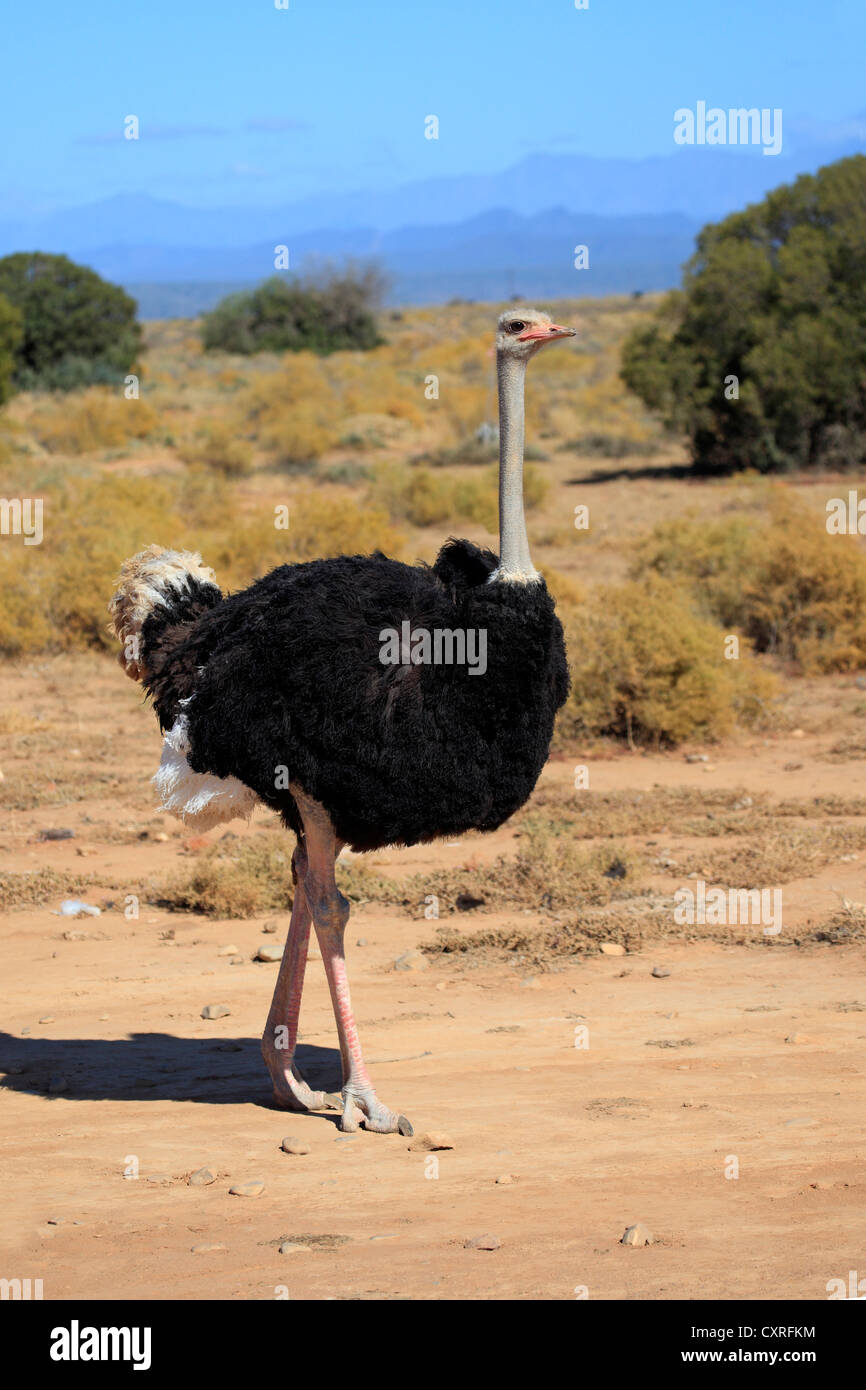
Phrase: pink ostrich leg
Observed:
(281, 1030)
(330, 912)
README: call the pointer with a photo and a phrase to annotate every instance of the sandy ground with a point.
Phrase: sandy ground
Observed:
(686, 1081)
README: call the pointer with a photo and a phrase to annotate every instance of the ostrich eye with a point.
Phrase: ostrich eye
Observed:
(516, 327)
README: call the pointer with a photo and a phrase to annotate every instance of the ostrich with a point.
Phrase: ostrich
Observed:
(317, 692)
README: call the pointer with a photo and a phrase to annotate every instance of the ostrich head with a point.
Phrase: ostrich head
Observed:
(521, 332)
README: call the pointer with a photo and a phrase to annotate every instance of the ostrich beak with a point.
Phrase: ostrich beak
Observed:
(546, 333)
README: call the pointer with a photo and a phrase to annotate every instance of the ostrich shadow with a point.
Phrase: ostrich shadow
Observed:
(157, 1066)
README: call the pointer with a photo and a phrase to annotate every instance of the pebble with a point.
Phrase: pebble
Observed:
(215, 1011)
(227, 951)
(697, 758)
(161, 837)
(291, 1145)
(213, 1247)
(56, 835)
(485, 1242)
(270, 928)
(202, 1177)
(292, 1247)
(612, 948)
(660, 972)
(269, 953)
(47, 1018)
(797, 733)
(411, 960)
(639, 1234)
(798, 1038)
(797, 1121)
(253, 1187)
(505, 1179)
(159, 1179)
(362, 941)
(429, 1142)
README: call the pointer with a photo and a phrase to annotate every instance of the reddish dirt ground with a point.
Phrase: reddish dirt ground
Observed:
(685, 1080)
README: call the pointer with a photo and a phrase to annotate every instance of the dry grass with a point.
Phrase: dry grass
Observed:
(235, 878)
(777, 854)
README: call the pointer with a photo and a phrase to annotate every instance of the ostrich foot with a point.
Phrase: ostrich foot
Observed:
(291, 1091)
(362, 1106)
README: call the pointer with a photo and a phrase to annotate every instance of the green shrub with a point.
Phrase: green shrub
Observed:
(774, 297)
(72, 321)
(317, 315)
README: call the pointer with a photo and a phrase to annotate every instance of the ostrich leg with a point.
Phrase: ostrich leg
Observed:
(281, 1030)
(330, 912)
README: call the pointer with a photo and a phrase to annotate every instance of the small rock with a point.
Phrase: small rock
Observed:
(56, 835)
(798, 1121)
(430, 1142)
(270, 928)
(697, 758)
(660, 972)
(237, 960)
(47, 1018)
(612, 948)
(798, 1038)
(292, 1247)
(362, 941)
(411, 960)
(159, 1179)
(202, 1177)
(291, 1145)
(161, 839)
(213, 1247)
(215, 1011)
(638, 1234)
(269, 953)
(253, 1187)
(196, 843)
(797, 733)
(227, 951)
(485, 1242)
(505, 1180)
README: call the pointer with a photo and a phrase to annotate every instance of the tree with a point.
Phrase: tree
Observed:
(322, 314)
(760, 359)
(76, 327)
(10, 337)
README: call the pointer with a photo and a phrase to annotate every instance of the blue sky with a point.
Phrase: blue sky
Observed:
(244, 104)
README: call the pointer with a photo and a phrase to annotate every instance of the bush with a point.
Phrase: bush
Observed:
(72, 321)
(647, 669)
(773, 297)
(318, 315)
(222, 448)
(11, 332)
(293, 412)
(99, 419)
(781, 579)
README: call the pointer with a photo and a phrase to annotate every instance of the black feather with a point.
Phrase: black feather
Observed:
(288, 675)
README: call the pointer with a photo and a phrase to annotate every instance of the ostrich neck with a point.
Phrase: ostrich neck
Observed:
(515, 563)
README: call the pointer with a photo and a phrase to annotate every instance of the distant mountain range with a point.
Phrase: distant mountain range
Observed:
(475, 237)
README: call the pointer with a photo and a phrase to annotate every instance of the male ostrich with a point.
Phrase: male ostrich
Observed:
(281, 694)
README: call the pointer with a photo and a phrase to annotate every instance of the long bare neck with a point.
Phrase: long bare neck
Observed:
(515, 563)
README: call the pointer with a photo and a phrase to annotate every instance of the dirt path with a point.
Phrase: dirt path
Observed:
(685, 1080)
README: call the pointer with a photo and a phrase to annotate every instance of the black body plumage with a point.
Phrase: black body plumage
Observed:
(285, 681)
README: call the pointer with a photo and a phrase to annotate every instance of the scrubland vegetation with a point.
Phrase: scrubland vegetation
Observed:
(275, 458)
